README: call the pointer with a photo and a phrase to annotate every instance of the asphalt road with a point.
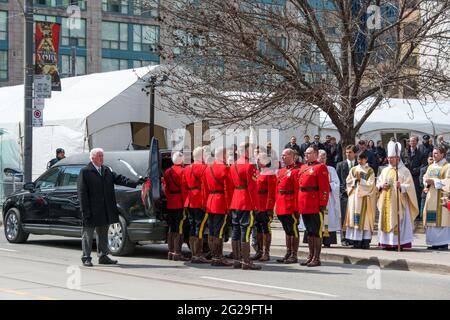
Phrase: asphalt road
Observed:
(47, 268)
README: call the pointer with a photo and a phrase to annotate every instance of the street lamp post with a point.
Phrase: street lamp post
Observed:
(153, 82)
(28, 94)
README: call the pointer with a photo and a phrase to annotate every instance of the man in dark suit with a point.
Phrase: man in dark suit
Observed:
(294, 146)
(305, 145)
(414, 160)
(98, 205)
(343, 169)
(334, 153)
(317, 143)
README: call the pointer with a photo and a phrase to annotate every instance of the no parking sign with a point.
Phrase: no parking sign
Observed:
(38, 119)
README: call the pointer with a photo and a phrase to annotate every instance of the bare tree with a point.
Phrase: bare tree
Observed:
(280, 63)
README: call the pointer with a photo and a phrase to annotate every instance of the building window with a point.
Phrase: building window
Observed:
(145, 38)
(79, 3)
(146, 8)
(3, 25)
(143, 63)
(61, 3)
(114, 64)
(77, 31)
(114, 35)
(46, 3)
(66, 66)
(3, 65)
(115, 6)
(38, 17)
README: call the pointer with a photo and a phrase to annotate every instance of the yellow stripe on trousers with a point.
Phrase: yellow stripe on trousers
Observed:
(180, 231)
(202, 226)
(294, 227)
(223, 227)
(321, 224)
(249, 228)
(269, 225)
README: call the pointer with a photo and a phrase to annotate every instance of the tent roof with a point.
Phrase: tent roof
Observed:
(76, 96)
(414, 115)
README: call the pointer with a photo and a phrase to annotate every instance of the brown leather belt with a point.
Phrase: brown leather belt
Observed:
(175, 192)
(195, 188)
(309, 189)
(217, 192)
(285, 191)
(241, 187)
(263, 191)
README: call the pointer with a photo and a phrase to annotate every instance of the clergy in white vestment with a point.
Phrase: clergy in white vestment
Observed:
(360, 214)
(397, 198)
(436, 216)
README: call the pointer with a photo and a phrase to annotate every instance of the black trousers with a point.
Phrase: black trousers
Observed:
(313, 224)
(242, 222)
(217, 223)
(344, 201)
(290, 223)
(87, 238)
(263, 221)
(176, 219)
(197, 221)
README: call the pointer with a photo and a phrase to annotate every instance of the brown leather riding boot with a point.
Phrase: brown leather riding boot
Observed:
(288, 250)
(178, 243)
(293, 258)
(267, 240)
(193, 249)
(170, 245)
(199, 251)
(236, 247)
(311, 251)
(317, 248)
(259, 241)
(219, 260)
(247, 263)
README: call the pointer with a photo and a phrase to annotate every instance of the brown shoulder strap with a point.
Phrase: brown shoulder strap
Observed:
(173, 180)
(214, 177)
(240, 178)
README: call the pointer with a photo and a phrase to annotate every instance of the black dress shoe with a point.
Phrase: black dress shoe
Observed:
(106, 260)
(88, 263)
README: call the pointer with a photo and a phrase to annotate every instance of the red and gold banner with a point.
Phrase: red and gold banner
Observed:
(47, 49)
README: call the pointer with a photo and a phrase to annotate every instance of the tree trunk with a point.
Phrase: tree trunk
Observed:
(347, 138)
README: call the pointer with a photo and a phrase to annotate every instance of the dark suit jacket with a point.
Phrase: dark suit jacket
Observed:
(333, 156)
(414, 162)
(303, 148)
(295, 147)
(97, 196)
(343, 170)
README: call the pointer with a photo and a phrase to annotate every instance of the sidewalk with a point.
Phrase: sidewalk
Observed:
(417, 259)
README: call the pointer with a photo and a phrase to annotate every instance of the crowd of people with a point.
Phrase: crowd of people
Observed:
(311, 184)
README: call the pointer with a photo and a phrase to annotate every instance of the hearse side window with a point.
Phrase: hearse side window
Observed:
(48, 179)
(69, 177)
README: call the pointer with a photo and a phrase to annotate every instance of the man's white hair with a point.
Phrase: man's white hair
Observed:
(219, 153)
(289, 151)
(322, 152)
(197, 154)
(177, 157)
(94, 152)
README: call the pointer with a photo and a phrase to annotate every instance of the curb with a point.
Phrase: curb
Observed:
(383, 263)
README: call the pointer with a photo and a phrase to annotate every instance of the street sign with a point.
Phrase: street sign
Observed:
(39, 103)
(42, 86)
(38, 119)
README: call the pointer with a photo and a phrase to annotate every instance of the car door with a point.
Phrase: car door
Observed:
(151, 191)
(64, 207)
(36, 205)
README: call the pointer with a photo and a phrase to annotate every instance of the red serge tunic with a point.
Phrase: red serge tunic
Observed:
(313, 188)
(172, 187)
(286, 191)
(192, 185)
(245, 195)
(217, 188)
(267, 185)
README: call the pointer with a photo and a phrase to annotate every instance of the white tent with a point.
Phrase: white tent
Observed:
(95, 110)
(9, 158)
(398, 115)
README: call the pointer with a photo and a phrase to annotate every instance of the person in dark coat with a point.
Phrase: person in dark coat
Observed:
(414, 160)
(343, 169)
(319, 145)
(60, 154)
(98, 205)
(334, 153)
(305, 145)
(423, 188)
(427, 146)
(294, 146)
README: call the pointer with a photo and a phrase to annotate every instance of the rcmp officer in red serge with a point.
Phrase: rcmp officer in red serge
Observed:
(218, 190)
(243, 207)
(285, 205)
(195, 204)
(267, 184)
(176, 214)
(313, 193)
